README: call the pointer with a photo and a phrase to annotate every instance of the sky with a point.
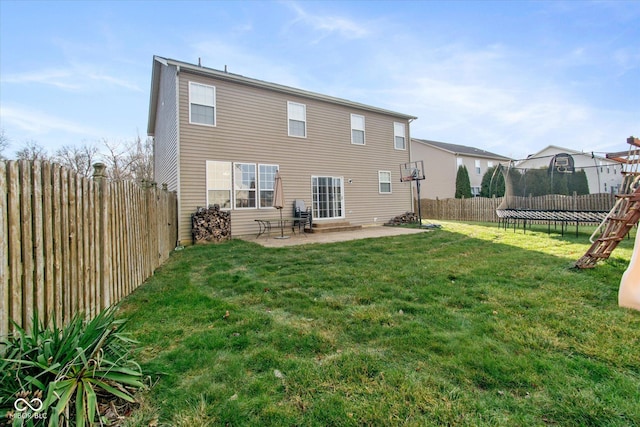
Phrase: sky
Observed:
(509, 77)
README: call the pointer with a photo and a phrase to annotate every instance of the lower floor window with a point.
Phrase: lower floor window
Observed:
(244, 183)
(384, 182)
(240, 185)
(267, 180)
(219, 184)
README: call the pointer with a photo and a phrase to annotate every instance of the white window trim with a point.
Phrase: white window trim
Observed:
(230, 189)
(260, 185)
(478, 166)
(403, 135)
(364, 133)
(215, 108)
(380, 181)
(306, 130)
(234, 207)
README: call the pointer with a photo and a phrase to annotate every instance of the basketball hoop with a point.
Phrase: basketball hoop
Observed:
(413, 171)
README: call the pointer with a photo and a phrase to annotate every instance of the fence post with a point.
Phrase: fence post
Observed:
(103, 243)
(4, 254)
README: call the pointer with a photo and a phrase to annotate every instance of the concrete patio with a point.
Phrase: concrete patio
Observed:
(339, 236)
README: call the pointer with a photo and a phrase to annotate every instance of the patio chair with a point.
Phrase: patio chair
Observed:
(303, 215)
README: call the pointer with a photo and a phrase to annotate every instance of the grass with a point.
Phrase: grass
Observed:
(469, 325)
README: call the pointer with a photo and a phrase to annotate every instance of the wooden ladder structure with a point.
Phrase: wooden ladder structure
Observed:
(625, 213)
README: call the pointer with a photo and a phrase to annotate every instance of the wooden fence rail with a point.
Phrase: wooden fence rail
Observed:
(483, 209)
(69, 244)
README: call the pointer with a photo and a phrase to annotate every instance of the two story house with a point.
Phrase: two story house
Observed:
(219, 138)
(441, 163)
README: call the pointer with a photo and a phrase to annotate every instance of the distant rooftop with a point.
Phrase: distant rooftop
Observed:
(461, 149)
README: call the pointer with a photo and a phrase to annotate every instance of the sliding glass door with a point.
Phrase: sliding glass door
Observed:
(328, 199)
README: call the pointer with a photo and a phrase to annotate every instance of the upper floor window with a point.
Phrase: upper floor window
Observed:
(458, 162)
(399, 136)
(297, 114)
(384, 182)
(267, 180)
(202, 104)
(478, 168)
(357, 129)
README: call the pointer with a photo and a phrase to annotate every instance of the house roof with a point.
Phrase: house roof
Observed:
(562, 150)
(159, 61)
(461, 149)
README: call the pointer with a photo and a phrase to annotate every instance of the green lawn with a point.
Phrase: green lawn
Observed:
(469, 325)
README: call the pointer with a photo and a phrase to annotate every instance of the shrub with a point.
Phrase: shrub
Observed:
(463, 184)
(52, 376)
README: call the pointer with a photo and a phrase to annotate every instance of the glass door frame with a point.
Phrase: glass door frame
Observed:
(327, 198)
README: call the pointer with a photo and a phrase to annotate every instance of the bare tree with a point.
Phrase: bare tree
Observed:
(129, 161)
(31, 150)
(117, 161)
(4, 143)
(79, 159)
(142, 159)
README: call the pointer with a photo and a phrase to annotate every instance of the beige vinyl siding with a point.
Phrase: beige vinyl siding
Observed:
(252, 127)
(440, 171)
(166, 133)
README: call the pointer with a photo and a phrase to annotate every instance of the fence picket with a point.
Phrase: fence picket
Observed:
(38, 238)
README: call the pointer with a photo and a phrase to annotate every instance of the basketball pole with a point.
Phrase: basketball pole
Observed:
(419, 203)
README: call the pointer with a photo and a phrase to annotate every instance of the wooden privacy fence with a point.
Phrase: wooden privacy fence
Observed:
(70, 244)
(483, 209)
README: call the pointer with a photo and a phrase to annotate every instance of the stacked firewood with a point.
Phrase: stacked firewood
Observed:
(210, 225)
(405, 218)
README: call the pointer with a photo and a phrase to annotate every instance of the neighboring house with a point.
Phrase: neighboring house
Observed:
(219, 138)
(604, 175)
(441, 162)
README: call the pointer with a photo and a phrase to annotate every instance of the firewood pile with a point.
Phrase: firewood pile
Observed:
(405, 218)
(210, 225)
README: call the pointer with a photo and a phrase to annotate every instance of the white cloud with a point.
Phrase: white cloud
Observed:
(39, 123)
(469, 100)
(73, 78)
(327, 25)
(53, 77)
(247, 63)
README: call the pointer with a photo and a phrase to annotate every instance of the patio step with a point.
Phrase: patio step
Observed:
(330, 227)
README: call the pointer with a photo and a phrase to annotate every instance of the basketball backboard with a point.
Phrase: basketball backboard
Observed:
(412, 171)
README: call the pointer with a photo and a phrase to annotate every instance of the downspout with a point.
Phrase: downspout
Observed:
(413, 207)
(178, 181)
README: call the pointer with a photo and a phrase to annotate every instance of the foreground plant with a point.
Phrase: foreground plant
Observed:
(53, 376)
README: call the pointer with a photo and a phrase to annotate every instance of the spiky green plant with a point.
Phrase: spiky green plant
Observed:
(69, 367)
